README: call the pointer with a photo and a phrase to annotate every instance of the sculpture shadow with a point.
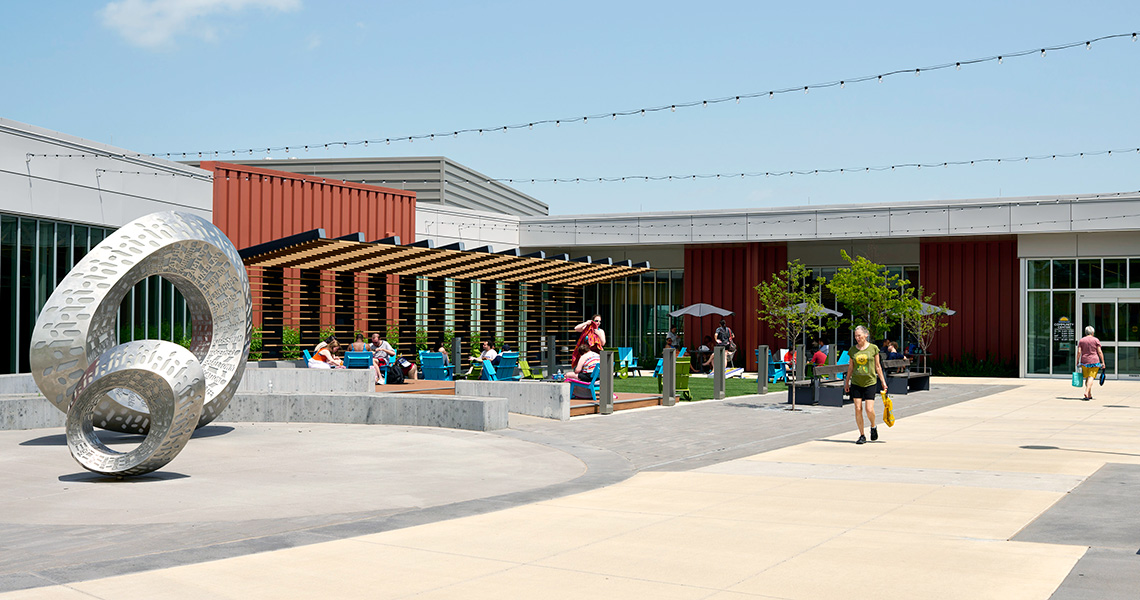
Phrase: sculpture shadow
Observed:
(112, 438)
(89, 477)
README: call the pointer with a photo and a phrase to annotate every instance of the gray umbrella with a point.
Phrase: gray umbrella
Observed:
(700, 310)
(802, 307)
(928, 309)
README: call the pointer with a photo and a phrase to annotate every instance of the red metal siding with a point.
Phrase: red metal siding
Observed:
(254, 205)
(979, 279)
(724, 276)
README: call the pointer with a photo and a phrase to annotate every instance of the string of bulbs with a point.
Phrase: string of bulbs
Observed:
(671, 107)
(794, 172)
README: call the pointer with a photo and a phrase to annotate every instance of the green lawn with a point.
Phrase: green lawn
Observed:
(700, 386)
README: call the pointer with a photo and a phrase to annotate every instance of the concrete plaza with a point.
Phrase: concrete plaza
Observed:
(982, 489)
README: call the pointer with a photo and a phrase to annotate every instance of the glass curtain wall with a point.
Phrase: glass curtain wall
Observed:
(635, 310)
(1051, 319)
(36, 254)
(841, 338)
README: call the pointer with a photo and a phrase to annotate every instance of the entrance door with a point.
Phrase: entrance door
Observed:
(1117, 324)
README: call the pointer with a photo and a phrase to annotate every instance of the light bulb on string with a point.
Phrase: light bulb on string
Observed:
(958, 66)
(1042, 52)
(999, 60)
(1088, 45)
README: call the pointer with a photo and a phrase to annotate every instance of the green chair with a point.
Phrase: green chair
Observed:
(524, 368)
(476, 371)
(682, 379)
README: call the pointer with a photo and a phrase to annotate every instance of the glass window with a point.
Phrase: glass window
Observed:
(79, 243)
(1101, 315)
(45, 264)
(63, 256)
(8, 291)
(1115, 272)
(1129, 314)
(1039, 274)
(1128, 360)
(1088, 273)
(1134, 273)
(1064, 276)
(1063, 308)
(1038, 331)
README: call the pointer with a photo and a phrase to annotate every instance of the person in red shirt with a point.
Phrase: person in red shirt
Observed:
(819, 358)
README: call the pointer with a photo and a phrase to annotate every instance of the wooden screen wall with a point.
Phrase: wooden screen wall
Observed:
(311, 301)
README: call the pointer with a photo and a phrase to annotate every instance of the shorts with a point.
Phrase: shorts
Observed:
(1089, 372)
(864, 393)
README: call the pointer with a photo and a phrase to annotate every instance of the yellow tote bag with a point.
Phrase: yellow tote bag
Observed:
(888, 410)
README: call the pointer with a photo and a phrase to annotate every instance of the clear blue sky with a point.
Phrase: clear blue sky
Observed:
(189, 75)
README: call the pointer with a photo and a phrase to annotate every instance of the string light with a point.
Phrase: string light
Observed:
(673, 106)
(794, 172)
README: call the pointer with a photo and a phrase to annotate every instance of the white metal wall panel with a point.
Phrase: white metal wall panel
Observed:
(607, 231)
(1098, 215)
(724, 228)
(1043, 217)
(785, 226)
(919, 221)
(96, 184)
(854, 224)
(979, 220)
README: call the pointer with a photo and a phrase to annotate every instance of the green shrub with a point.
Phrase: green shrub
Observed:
(422, 340)
(476, 343)
(392, 336)
(290, 343)
(255, 344)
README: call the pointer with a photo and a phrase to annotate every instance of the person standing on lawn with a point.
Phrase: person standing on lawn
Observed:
(864, 372)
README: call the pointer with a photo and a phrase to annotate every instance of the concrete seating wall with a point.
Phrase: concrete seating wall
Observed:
(545, 399)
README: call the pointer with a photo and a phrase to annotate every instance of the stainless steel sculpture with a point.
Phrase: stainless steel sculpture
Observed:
(150, 387)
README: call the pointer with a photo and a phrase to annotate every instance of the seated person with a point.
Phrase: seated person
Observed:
(441, 347)
(324, 355)
(385, 356)
(358, 345)
(487, 353)
(382, 351)
(702, 355)
(818, 357)
(584, 370)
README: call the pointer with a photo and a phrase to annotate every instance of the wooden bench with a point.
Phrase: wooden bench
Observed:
(900, 379)
(817, 390)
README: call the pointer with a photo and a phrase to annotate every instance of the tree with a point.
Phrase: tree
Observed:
(789, 302)
(921, 317)
(872, 296)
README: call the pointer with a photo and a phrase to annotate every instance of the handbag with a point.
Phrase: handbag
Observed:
(1078, 379)
(888, 410)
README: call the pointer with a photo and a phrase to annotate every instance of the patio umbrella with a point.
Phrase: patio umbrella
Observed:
(700, 310)
(928, 309)
(802, 307)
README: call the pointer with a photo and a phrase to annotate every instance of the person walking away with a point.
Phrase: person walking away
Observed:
(1090, 358)
(863, 372)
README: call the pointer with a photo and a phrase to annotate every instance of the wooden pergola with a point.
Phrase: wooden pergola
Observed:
(312, 284)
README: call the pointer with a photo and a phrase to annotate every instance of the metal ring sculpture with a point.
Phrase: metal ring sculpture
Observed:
(148, 387)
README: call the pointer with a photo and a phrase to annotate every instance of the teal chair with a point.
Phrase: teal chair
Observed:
(358, 360)
(844, 358)
(627, 361)
(431, 365)
(592, 387)
(308, 357)
(508, 361)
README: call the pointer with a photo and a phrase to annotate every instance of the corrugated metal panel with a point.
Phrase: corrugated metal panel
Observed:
(724, 276)
(434, 179)
(254, 205)
(979, 279)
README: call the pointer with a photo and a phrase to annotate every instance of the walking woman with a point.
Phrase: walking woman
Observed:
(1090, 359)
(864, 372)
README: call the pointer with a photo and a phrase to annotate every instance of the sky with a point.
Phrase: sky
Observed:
(159, 76)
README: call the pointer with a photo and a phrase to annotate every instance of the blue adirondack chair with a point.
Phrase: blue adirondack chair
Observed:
(506, 369)
(431, 365)
(591, 387)
(308, 357)
(358, 360)
(844, 358)
(627, 361)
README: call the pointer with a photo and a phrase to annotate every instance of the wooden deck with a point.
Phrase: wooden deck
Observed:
(578, 407)
(624, 401)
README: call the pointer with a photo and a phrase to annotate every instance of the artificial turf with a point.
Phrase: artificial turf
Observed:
(700, 387)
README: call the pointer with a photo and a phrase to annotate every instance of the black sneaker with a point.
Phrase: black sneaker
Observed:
(874, 434)
(862, 440)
